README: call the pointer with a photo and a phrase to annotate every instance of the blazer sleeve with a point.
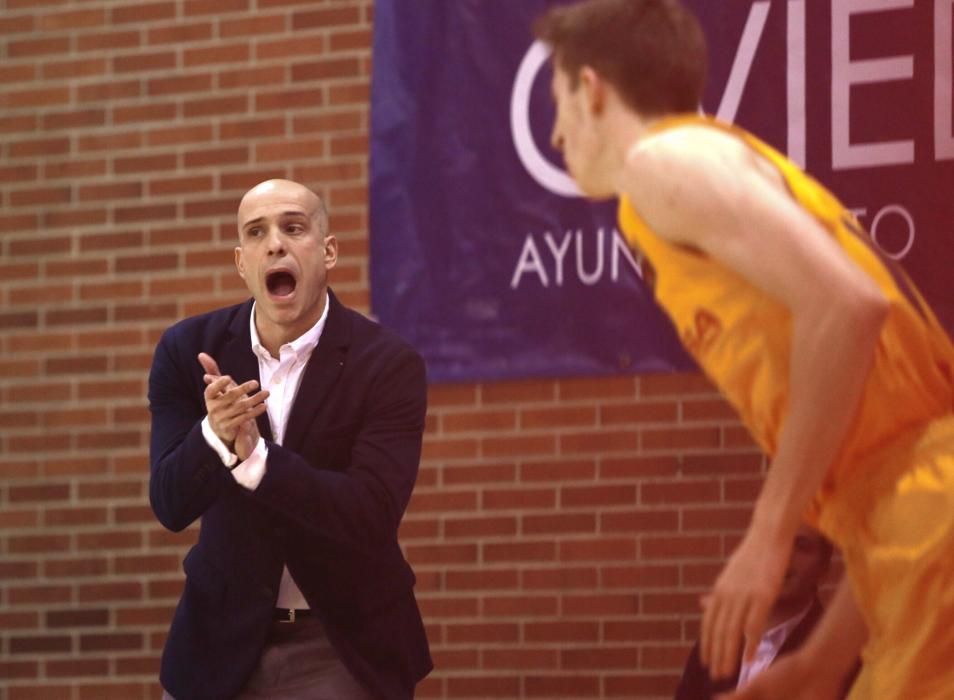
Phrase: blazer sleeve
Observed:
(186, 475)
(361, 506)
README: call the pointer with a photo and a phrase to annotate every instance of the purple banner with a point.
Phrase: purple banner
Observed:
(486, 259)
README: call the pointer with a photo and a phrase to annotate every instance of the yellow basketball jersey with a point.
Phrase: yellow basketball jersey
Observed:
(742, 338)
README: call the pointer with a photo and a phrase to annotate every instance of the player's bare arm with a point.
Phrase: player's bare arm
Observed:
(709, 191)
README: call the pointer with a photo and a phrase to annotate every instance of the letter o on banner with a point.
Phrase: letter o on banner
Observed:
(541, 170)
(909, 223)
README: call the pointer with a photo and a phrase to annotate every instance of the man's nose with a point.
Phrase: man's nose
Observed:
(556, 140)
(276, 244)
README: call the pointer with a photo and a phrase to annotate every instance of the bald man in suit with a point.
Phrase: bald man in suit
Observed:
(292, 426)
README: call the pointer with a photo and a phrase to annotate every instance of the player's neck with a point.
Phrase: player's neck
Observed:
(625, 130)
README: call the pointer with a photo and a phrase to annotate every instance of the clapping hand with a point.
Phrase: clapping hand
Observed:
(232, 408)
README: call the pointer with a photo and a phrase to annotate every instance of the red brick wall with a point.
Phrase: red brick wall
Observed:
(561, 530)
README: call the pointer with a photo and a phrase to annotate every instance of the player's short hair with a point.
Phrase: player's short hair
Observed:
(652, 51)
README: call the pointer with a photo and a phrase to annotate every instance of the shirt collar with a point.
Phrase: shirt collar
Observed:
(303, 344)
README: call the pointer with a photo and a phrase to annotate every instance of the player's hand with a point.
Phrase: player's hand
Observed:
(230, 405)
(741, 600)
(793, 677)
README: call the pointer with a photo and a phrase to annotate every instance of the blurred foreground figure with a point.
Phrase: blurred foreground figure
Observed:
(829, 354)
(794, 615)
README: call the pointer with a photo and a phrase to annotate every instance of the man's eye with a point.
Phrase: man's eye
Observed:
(254, 232)
(294, 228)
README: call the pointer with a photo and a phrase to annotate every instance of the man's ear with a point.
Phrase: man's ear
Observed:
(239, 262)
(594, 89)
(331, 251)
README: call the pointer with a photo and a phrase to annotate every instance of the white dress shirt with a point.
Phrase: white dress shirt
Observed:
(281, 377)
(768, 648)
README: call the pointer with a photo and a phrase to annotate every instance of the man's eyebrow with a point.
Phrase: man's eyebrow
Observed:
(253, 221)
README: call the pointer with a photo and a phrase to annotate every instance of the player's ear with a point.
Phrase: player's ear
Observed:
(594, 89)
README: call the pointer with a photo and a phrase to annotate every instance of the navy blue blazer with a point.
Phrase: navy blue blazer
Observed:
(328, 506)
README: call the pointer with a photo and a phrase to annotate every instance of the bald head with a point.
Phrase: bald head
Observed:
(277, 192)
(284, 255)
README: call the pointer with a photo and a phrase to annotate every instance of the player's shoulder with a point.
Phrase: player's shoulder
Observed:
(684, 150)
(687, 159)
(679, 179)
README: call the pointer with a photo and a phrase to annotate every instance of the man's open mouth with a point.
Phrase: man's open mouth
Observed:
(280, 283)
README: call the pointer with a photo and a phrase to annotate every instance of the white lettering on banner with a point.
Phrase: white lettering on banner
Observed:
(943, 80)
(908, 220)
(795, 73)
(890, 210)
(621, 250)
(846, 73)
(744, 58)
(586, 246)
(546, 174)
(795, 85)
(558, 254)
(591, 278)
(896, 210)
(529, 262)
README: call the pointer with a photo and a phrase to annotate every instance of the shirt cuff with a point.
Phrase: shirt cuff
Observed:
(250, 472)
(228, 458)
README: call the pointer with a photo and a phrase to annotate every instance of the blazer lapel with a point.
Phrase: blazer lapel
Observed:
(323, 369)
(239, 362)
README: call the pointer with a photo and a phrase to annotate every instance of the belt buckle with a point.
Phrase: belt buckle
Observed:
(290, 618)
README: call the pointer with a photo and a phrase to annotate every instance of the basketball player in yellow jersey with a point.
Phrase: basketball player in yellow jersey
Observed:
(830, 356)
